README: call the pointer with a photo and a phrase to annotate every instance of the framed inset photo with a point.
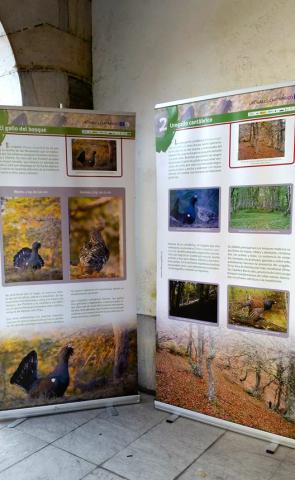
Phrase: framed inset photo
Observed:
(193, 301)
(261, 209)
(94, 157)
(89, 353)
(262, 143)
(259, 309)
(194, 209)
(97, 236)
(32, 239)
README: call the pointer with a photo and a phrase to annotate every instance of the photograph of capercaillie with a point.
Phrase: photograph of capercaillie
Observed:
(94, 154)
(32, 239)
(50, 386)
(258, 308)
(94, 254)
(29, 258)
(194, 209)
(67, 365)
(96, 237)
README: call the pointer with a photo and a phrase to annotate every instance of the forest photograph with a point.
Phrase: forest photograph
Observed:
(94, 154)
(261, 209)
(261, 140)
(240, 377)
(86, 364)
(193, 301)
(257, 308)
(96, 237)
(194, 209)
(32, 239)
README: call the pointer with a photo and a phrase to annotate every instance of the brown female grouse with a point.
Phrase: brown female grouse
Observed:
(257, 308)
(94, 253)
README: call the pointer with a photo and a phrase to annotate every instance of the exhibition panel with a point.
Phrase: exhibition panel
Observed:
(226, 300)
(67, 293)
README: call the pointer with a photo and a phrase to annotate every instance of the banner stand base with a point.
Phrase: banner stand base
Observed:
(273, 439)
(272, 448)
(112, 411)
(24, 413)
(17, 422)
(172, 418)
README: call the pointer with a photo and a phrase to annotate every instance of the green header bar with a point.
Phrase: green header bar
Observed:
(235, 117)
(65, 131)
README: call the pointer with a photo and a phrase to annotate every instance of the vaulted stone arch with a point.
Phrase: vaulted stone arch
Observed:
(10, 89)
(51, 42)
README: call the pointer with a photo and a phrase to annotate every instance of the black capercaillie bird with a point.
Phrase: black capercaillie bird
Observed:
(188, 215)
(50, 386)
(29, 258)
(82, 158)
(94, 254)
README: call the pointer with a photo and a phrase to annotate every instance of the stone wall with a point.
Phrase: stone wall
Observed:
(51, 42)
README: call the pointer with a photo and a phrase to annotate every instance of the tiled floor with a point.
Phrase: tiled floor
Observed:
(138, 444)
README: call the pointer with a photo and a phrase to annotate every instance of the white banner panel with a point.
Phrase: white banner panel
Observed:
(67, 286)
(226, 300)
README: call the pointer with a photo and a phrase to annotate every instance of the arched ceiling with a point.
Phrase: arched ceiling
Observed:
(10, 88)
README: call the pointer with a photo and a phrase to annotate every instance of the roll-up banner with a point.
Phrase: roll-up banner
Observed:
(67, 286)
(226, 245)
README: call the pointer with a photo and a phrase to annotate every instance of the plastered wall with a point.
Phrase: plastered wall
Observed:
(149, 51)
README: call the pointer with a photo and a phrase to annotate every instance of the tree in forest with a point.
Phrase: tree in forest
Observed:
(254, 360)
(269, 198)
(189, 347)
(254, 135)
(210, 358)
(197, 363)
(121, 338)
(256, 390)
(288, 199)
(280, 380)
(205, 353)
(176, 294)
(290, 413)
(263, 369)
